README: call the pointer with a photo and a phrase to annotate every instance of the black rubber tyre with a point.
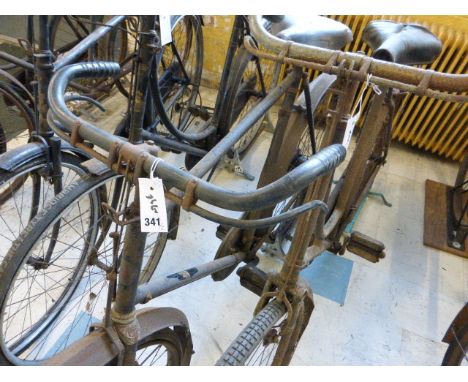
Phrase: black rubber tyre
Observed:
(457, 352)
(244, 91)
(20, 115)
(320, 97)
(255, 335)
(173, 97)
(3, 141)
(83, 284)
(23, 192)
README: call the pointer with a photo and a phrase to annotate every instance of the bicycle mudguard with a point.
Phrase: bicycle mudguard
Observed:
(18, 156)
(97, 348)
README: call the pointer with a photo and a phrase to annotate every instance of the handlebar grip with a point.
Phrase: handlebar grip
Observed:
(96, 69)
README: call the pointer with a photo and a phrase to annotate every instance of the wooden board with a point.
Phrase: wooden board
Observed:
(435, 219)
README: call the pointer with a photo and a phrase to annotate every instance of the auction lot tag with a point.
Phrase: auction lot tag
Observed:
(165, 29)
(153, 215)
(350, 125)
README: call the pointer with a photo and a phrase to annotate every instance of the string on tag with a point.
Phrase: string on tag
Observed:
(375, 87)
(153, 167)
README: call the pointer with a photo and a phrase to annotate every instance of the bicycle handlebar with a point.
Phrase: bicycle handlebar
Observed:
(386, 70)
(296, 180)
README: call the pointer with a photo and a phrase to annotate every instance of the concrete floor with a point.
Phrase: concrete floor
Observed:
(396, 311)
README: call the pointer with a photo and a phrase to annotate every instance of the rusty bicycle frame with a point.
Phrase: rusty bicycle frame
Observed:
(351, 70)
(135, 159)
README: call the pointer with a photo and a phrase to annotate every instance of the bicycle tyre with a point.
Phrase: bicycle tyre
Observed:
(240, 97)
(320, 91)
(253, 335)
(13, 100)
(165, 107)
(68, 302)
(12, 182)
(3, 141)
(458, 348)
(235, 107)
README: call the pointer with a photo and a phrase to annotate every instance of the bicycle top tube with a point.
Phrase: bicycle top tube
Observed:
(79, 49)
(436, 81)
(62, 119)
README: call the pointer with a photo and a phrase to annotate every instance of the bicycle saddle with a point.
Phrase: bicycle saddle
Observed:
(312, 30)
(408, 44)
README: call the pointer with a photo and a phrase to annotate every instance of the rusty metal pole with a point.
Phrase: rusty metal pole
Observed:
(123, 310)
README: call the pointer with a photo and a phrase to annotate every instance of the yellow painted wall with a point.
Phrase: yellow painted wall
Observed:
(216, 32)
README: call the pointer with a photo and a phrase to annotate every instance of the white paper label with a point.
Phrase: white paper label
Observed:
(349, 129)
(153, 215)
(165, 29)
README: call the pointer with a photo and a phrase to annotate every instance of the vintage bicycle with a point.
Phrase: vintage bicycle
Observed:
(285, 304)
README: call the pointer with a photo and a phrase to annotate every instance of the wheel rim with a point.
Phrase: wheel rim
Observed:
(83, 301)
(177, 96)
(14, 117)
(23, 194)
(157, 353)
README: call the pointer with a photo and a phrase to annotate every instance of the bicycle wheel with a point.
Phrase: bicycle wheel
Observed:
(55, 284)
(367, 154)
(163, 348)
(16, 117)
(245, 89)
(321, 99)
(179, 69)
(24, 191)
(457, 352)
(257, 344)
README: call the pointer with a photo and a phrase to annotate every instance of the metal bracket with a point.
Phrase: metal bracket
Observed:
(189, 198)
(114, 337)
(234, 165)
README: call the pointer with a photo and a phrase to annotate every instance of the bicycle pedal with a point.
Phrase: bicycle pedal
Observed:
(252, 278)
(365, 247)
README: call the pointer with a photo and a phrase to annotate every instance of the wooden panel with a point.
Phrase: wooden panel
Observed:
(435, 219)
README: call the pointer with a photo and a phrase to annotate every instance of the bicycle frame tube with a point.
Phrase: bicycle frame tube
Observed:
(78, 50)
(223, 146)
(122, 313)
(17, 61)
(162, 285)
